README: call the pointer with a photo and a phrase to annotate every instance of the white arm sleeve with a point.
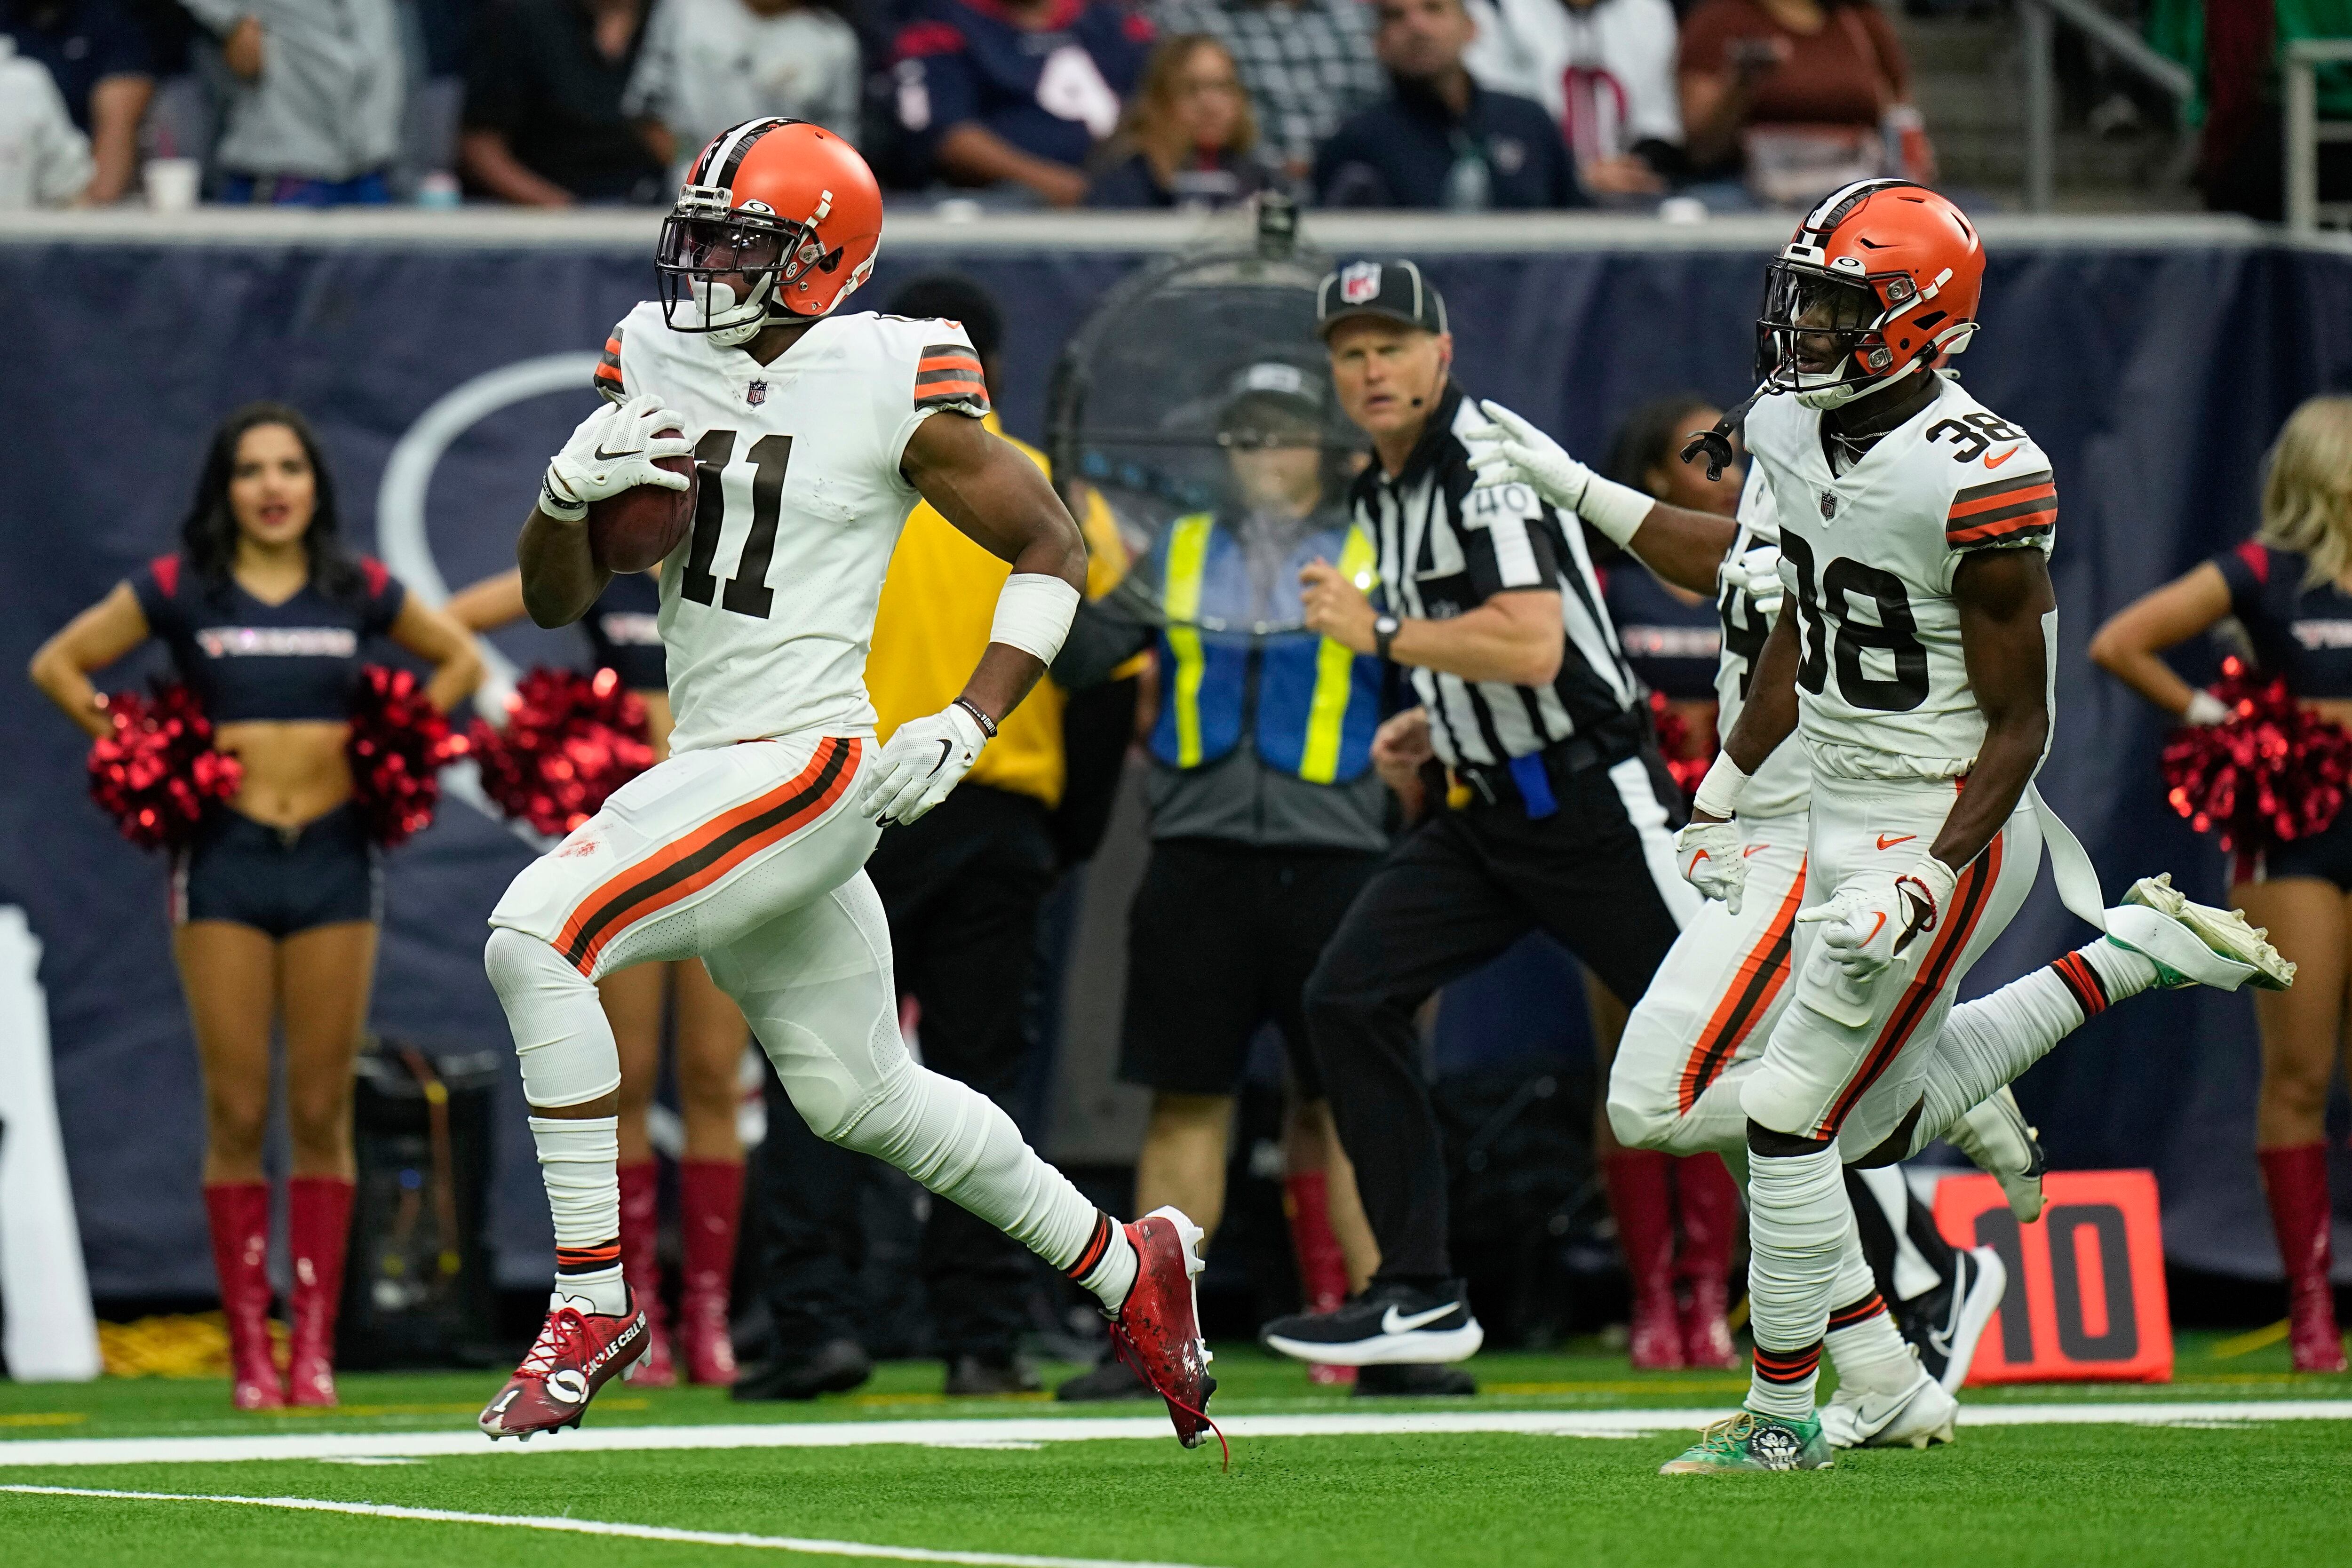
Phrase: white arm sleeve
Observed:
(1033, 614)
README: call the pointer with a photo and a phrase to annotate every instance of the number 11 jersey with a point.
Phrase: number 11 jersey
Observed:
(1868, 557)
(768, 605)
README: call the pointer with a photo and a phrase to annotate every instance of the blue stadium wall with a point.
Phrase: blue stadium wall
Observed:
(2154, 360)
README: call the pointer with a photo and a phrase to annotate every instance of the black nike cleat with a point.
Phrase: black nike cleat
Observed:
(1945, 1324)
(1386, 1325)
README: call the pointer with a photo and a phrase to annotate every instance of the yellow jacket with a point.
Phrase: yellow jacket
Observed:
(938, 604)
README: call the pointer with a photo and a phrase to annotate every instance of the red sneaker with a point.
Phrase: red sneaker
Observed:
(1657, 1339)
(1158, 1329)
(1706, 1338)
(2313, 1340)
(576, 1353)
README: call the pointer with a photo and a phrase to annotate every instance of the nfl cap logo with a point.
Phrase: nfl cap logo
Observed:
(1392, 289)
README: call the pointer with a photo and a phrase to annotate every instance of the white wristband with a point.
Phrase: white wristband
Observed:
(1719, 792)
(1033, 614)
(1616, 511)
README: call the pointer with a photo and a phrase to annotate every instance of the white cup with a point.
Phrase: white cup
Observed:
(173, 184)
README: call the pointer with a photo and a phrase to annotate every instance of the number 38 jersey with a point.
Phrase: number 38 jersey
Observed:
(1868, 557)
(768, 605)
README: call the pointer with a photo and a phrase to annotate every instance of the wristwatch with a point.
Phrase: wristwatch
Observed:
(1384, 631)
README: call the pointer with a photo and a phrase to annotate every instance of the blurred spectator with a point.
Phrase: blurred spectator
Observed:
(1016, 92)
(1442, 140)
(543, 121)
(1603, 69)
(709, 63)
(98, 53)
(1801, 96)
(1188, 137)
(313, 118)
(43, 161)
(1308, 64)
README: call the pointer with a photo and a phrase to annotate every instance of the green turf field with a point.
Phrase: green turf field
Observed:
(2216, 1484)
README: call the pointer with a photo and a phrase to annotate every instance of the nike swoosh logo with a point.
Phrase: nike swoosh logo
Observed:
(1753, 848)
(1875, 930)
(1395, 1323)
(1886, 841)
(605, 457)
(2005, 456)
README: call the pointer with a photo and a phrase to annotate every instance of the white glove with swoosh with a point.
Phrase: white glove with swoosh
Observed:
(924, 760)
(613, 450)
(1714, 859)
(1863, 930)
(1756, 574)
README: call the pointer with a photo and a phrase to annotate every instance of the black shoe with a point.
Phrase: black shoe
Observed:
(983, 1375)
(1114, 1379)
(1385, 1325)
(1943, 1324)
(837, 1367)
(1413, 1380)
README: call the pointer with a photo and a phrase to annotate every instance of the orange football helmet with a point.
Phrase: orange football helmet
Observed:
(777, 220)
(1891, 270)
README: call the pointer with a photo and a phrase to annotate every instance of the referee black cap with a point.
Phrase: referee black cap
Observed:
(1392, 289)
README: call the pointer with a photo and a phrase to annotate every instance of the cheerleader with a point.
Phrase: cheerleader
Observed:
(2290, 587)
(277, 902)
(710, 1032)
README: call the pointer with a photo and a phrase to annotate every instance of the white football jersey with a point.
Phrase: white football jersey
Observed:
(767, 606)
(1868, 558)
(1783, 783)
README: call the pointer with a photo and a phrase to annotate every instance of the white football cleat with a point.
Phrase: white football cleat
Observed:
(2195, 944)
(1920, 1415)
(1998, 1140)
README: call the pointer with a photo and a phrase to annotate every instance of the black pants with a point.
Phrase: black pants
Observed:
(1458, 890)
(962, 888)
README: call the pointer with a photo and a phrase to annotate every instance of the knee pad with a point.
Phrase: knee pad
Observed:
(562, 1041)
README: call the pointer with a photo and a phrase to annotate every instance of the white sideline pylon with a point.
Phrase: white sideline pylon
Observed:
(52, 1334)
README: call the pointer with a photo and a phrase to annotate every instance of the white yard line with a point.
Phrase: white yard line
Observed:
(1008, 1432)
(607, 1527)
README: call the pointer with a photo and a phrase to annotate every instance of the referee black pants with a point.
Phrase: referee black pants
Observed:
(1454, 893)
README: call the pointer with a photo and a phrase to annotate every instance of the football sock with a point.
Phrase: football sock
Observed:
(1987, 1043)
(1799, 1224)
(577, 1160)
(1863, 1342)
(1107, 1265)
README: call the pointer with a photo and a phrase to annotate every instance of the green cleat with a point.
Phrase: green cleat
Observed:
(1747, 1441)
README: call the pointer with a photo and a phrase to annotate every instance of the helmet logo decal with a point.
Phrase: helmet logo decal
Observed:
(1359, 281)
(756, 205)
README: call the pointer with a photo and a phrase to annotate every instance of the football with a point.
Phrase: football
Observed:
(634, 530)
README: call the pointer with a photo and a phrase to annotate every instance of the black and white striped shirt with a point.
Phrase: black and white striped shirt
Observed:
(1444, 551)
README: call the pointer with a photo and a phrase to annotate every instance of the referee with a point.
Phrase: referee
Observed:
(1557, 817)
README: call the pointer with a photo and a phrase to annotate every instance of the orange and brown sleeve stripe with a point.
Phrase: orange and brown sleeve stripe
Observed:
(949, 373)
(2006, 511)
(607, 379)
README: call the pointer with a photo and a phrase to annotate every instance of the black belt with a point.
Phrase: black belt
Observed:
(1530, 779)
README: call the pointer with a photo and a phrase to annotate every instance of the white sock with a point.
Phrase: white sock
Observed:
(1861, 1340)
(577, 1157)
(1107, 1265)
(1799, 1228)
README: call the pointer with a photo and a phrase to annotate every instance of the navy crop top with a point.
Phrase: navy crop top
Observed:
(626, 637)
(1672, 645)
(2303, 633)
(246, 659)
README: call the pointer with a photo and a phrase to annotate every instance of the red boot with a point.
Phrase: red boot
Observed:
(319, 1222)
(710, 1194)
(641, 1266)
(1707, 1208)
(239, 1216)
(1322, 1266)
(1645, 1232)
(2296, 1182)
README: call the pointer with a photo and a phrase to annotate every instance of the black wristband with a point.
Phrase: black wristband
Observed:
(987, 724)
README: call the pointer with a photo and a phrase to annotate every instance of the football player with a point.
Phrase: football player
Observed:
(1810, 1014)
(813, 431)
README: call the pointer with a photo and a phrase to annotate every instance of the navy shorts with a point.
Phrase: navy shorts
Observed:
(2327, 856)
(279, 880)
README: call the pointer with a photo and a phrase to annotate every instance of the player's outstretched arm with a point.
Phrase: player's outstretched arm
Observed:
(1771, 716)
(2008, 614)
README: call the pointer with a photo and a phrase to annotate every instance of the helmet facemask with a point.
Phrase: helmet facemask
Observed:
(1821, 336)
(724, 268)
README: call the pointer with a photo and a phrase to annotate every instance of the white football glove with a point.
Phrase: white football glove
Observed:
(1866, 928)
(1714, 859)
(613, 450)
(2205, 709)
(1508, 450)
(926, 758)
(1756, 574)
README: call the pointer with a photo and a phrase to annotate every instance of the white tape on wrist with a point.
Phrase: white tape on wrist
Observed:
(1616, 511)
(1719, 793)
(1033, 614)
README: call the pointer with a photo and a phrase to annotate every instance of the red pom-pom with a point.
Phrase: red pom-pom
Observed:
(569, 740)
(398, 746)
(155, 770)
(1682, 760)
(2273, 773)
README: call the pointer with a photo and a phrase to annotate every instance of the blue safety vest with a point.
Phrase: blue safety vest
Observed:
(1316, 702)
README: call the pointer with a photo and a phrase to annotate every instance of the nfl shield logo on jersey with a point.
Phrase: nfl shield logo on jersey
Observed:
(1359, 281)
(756, 394)
(1828, 505)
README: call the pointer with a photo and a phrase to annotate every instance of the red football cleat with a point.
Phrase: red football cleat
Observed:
(576, 1353)
(1158, 1329)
